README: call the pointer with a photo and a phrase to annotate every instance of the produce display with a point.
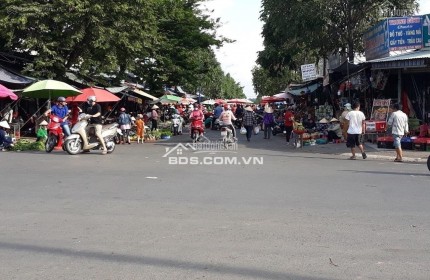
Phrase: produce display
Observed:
(26, 145)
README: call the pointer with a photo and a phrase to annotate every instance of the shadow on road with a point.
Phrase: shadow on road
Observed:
(159, 262)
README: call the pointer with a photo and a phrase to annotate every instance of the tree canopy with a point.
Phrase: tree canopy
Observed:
(162, 41)
(298, 32)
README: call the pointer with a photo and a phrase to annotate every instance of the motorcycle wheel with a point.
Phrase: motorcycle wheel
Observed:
(110, 147)
(175, 131)
(117, 139)
(73, 147)
(196, 137)
(428, 163)
(50, 143)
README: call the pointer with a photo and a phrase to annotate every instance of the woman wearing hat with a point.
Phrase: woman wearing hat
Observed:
(249, 121)
(154, 117)
(334, 130)
(5, 141)
(42, 133)
(268, 121)
(124, 120)
(344, 123)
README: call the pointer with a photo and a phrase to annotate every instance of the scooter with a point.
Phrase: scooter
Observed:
(279, 128)
(82, 139)
(118, 136)
(55, 133)
(197, 130)
(227, 136)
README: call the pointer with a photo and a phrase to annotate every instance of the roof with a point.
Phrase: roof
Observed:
(12, 78)
(144, 94)
(415, 59)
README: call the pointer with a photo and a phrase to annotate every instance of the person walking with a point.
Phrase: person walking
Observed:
(344, 124)
(399, 128)
(124, 120)
(356, 130)
(249, 121)
(154, 117)
(140, 128)
(289, 123)
(268, 121)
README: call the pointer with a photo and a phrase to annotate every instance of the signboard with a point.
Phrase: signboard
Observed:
(380, 109)
(426, 30)
(308, 72)
(405, 33)
(376, 41)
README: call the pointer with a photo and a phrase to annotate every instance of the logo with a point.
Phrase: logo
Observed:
(208, 153)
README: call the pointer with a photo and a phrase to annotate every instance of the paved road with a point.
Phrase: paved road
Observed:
(131, 215)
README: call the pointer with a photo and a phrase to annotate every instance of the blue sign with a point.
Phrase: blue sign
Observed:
(405, 33)
(426, 30)
(376, 41)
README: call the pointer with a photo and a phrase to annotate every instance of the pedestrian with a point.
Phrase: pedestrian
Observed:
(344, 124)
(140, 128)
(268, 121)
(124, 120)
(334, 132)
(289, 123)
(356, 130)
(249, 121)
(154, 117)
(399, 127)
(6, 141)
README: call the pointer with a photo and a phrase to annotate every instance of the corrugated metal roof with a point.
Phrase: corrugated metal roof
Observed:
(418, 54)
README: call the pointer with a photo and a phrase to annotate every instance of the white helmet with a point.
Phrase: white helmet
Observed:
(92, 98)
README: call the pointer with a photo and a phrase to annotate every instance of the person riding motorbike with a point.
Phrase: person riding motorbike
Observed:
(92, 108)
(226, 118)
(216, 113)
(197, 116)
(60, 110)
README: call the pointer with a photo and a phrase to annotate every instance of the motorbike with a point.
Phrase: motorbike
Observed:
(55, 133)
(84, 138)
(176, 124)
(278, 128)
(227, 136)
(118, 136)
(196, 130)
(428, 163)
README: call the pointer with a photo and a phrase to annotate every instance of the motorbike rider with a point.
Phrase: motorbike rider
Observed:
(60, 110)
(217, 112)
(92, 108)
(197, 115)
(226, 118)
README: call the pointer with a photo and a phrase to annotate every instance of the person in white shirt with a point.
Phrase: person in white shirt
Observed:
(226, 118)
(356, 130)
(399, 124)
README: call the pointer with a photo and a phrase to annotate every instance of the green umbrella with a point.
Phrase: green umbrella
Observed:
(168, 99)
(50, 89)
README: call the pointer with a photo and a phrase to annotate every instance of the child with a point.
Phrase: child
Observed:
(42, 133)
(140, 128)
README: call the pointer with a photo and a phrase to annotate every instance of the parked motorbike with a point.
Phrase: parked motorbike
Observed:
(83, 137)
(227, 136)
(197, 130)
(278, 128)
(55, 133)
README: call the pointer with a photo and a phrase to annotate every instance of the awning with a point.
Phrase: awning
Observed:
(116, 89)
(144, 94)
(415, 59)
(301, 89)
(7, 76)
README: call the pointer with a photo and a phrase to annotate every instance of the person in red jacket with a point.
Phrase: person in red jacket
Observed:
(289, 121)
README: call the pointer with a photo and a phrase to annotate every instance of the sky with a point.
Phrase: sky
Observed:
(240, 22)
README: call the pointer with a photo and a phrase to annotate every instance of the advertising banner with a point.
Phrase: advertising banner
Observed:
(405, 33)
(426, 30)
(308, 72)
(376, 41)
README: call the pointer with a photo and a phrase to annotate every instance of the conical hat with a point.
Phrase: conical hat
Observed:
(324, 120)
(334, 120)
(4, 124)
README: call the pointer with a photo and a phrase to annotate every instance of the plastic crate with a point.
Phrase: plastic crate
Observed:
(407, 143)
(421, 144)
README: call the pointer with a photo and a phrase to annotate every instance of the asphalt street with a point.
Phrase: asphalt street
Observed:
(263, 211)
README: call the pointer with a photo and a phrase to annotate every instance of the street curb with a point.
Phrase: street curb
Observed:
(387, 158)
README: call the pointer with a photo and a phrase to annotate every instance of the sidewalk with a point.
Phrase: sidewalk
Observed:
(372, 151)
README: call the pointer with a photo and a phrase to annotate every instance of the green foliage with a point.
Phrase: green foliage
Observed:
(162, 41)
(25, 145)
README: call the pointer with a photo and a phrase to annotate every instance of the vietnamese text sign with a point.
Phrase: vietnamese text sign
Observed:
(380, 109)
(308, 72)
(376, 41)
(426, 30)
(405, 33)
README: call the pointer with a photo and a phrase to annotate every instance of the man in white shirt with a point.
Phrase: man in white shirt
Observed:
(399, 124)
(356, 130)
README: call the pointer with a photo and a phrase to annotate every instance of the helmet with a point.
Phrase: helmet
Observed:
(61, 99)
(91, 98)
(122, 109)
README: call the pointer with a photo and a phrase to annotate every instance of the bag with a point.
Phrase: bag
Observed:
(256, 130)
(243, 130)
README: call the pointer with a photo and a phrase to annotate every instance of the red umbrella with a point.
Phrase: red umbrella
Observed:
(102, 95)
(272, 99)
(239, 101)
(220, 101)
(5, 93)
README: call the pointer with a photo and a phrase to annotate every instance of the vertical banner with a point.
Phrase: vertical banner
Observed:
(426, 30)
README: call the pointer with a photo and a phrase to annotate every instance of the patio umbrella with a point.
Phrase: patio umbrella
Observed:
(239, 101)
(7, 93)
(272, 99)
(165, 99)
(50, 89)
(220, 101)
(102, 95)
(208, 102)
(187, 101)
